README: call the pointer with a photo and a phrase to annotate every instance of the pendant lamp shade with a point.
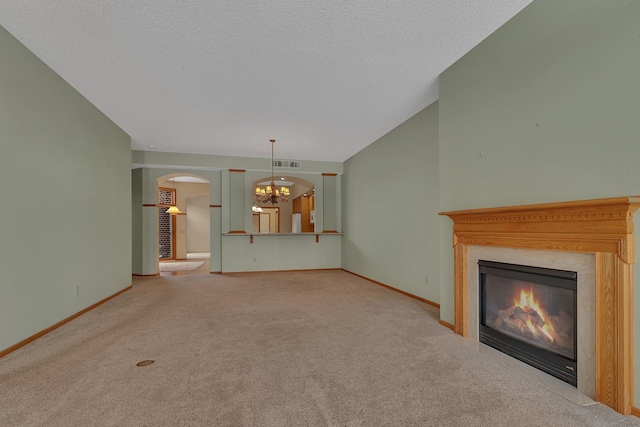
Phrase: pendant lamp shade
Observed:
(173, 209)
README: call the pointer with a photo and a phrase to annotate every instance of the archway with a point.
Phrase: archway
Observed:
(294, 215)
(183, 238)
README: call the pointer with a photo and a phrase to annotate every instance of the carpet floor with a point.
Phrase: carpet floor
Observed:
(276, 349)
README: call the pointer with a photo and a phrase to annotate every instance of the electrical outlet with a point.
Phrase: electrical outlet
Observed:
(254, 260)
(426, 280)
(77, 290)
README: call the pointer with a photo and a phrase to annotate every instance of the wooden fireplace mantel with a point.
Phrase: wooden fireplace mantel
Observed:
(603, 227)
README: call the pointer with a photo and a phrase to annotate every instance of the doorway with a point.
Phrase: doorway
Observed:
(166, 224)
(267, 221)
(183, 238)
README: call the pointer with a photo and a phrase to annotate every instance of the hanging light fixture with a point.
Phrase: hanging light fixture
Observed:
(270, 193)
(173, 209)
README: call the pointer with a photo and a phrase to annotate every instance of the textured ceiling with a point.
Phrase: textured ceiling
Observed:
(324, 78)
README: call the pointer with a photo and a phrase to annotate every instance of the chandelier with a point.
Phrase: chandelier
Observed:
(270, 193)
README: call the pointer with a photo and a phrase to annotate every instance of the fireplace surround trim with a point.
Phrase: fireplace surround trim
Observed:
(603, 227)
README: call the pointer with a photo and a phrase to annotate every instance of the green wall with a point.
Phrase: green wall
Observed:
(390, 208)
(210, 161)
(543, 110)
(66, 201)
(234, 193)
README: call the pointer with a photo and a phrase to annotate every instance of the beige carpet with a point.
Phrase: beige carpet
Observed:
(278, 349)
(179, 265)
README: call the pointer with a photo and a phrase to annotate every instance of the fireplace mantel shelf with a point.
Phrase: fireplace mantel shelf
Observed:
(557, 207)
(603, 227)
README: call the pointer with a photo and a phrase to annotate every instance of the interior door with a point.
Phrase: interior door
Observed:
(264, 222)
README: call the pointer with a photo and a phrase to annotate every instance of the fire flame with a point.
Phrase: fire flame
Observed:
(527, 302)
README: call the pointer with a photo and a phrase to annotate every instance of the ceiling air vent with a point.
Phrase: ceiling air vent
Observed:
(287, 164)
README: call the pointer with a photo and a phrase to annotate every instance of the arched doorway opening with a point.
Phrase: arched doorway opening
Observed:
(183, 239)
(292, 216)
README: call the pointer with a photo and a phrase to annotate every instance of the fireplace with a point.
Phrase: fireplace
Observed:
(600, 227)
(530, 313)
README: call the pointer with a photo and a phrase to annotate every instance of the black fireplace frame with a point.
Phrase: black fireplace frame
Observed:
(561, 367)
